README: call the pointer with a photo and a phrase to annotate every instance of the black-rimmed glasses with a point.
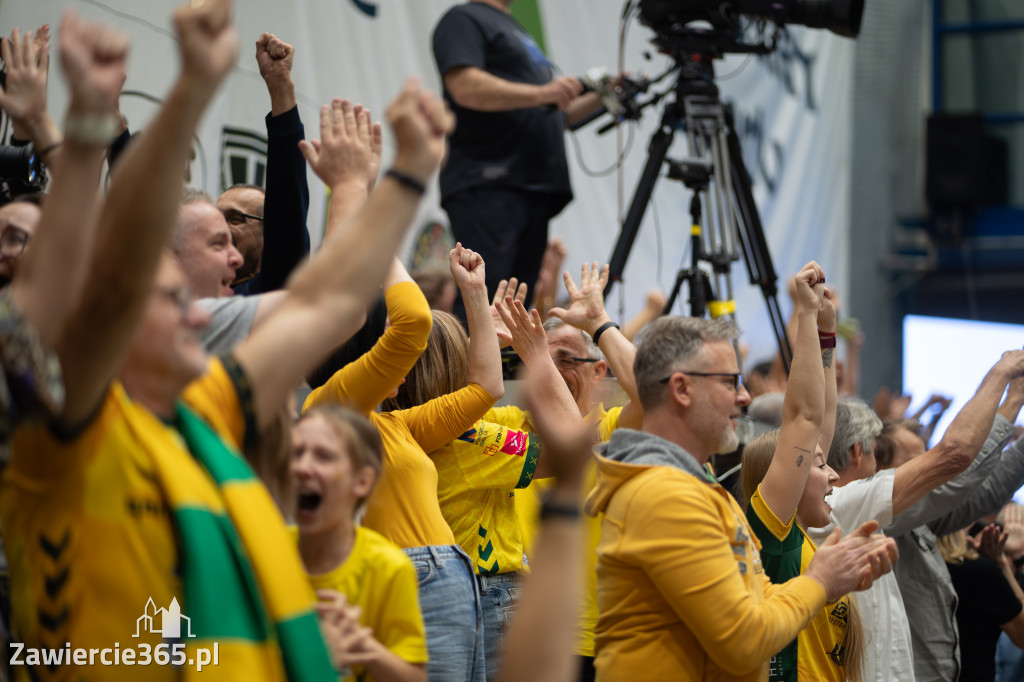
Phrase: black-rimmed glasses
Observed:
(737, 378)
(568, 362)
(12, 242)
(236, 217)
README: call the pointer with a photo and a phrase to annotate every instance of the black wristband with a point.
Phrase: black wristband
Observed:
(407, 181)
(602, 329)
(562, 511)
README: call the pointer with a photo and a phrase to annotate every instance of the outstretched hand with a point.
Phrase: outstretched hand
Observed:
(586, 304)
(525, 331)
(467, 268)
(26, 61)
(506, 288)
(1013, 524)
(991, 542)
(344, 151)
(93, 58)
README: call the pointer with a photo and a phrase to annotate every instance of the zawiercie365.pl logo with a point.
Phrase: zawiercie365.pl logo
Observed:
(171, 623)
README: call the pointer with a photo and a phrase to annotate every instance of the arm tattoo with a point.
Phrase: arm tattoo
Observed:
(800, 459)
(826, 357)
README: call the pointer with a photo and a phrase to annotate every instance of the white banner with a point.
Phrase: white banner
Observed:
(792, 109)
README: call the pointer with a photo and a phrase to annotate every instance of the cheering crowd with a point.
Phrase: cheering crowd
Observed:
(390, 522)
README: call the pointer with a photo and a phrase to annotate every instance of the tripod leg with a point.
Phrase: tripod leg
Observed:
(656, 152)
(753, 242)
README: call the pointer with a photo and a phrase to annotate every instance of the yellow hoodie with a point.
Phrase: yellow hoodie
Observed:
(680, 587)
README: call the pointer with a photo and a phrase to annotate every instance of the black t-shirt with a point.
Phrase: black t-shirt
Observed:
(986, 603)
(522, 148)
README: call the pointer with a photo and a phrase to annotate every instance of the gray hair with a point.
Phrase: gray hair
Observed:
(553, 323)
(190, 195)
(856, 423)
(668, 344)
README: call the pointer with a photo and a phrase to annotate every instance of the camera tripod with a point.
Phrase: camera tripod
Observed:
(718, 178)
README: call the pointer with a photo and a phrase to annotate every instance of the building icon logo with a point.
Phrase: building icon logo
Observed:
(169, 621)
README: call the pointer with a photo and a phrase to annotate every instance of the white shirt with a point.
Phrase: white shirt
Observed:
(888, 656)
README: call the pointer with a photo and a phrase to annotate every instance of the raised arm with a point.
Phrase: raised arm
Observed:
(826, 335)
(145, 191)
(326, 298)
(27, 60)
(962, 440)
(286, 204)
(803, 409)
(368, 381)
(53, 270)
(349, 195)
(587, 312)
(541, 637)
(484, 355)
(547, 389)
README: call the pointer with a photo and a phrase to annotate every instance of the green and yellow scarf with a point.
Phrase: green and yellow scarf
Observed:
(245, 588)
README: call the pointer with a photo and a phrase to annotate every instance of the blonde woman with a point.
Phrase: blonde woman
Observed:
(785, 480)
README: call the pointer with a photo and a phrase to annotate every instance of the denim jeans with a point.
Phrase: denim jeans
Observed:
(450, 605)
(499, 595)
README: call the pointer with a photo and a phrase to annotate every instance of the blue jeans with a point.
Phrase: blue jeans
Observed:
(1009, 661)
(499, 595)
(450, 605)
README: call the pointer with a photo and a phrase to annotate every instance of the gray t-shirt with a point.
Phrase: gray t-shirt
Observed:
(230, 324)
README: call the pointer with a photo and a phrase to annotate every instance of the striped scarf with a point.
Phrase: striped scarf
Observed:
(245, 588)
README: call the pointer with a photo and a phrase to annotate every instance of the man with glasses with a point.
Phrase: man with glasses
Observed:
(681, 588)
(18, 221)
(269, 228)
(242, 208)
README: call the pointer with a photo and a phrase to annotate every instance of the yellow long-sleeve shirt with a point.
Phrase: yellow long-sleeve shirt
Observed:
(403, 506)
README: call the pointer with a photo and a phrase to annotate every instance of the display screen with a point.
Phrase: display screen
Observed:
(950, 357)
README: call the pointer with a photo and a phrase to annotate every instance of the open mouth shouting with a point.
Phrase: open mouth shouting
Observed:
(308, 503)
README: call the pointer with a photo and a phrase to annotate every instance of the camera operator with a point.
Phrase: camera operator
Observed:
(506, 175)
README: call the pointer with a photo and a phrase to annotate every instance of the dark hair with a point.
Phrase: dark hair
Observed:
(353, 349)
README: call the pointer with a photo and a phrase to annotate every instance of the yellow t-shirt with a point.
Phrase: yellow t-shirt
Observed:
(528, 503)
(477, 475)
(88, 532)
(380, 579)
(403, 506)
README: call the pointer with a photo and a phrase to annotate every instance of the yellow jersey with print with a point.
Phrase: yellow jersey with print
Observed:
(477, 477)
(89, 536)
(379, 578)
(528, 503)
(817, 652)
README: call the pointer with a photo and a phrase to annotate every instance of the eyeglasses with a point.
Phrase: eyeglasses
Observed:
(737, 378)
(236, 217)
(12, 242)
(568, 362)
(179, 296)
